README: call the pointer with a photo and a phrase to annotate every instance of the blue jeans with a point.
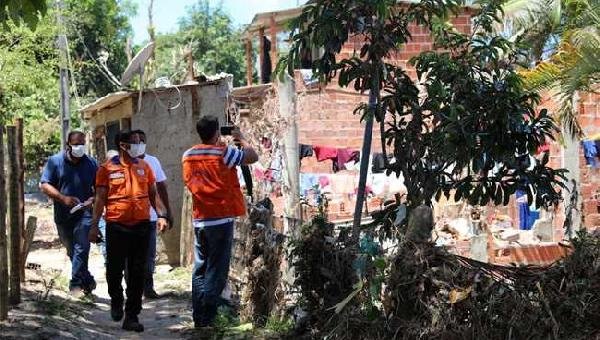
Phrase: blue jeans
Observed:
(102, 245)
(212, 252)
(74, 236)
(151, 261)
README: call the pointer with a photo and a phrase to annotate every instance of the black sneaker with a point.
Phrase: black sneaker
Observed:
(116, 311)
(89, 288)
(151, 294)
(131, 323)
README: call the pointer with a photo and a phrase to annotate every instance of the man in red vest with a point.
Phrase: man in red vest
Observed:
(209, 172)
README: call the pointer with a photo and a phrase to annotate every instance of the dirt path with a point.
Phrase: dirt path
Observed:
(48, 312)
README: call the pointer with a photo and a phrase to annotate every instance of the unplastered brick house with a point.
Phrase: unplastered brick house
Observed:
(326, 119)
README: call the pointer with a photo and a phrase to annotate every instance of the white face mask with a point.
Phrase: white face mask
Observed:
(77, 151)
(142, 149)
(136, 150)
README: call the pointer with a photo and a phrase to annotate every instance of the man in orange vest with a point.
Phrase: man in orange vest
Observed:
(125, 186)
(209, 172)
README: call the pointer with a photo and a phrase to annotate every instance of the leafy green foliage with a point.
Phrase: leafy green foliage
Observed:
(18, 11)
(566, 33)
(94, 28)
(29, 87)
(466, 125)
(215, 43)
(29, 64)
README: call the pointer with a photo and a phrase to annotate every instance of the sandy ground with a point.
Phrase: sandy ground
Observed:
(48, 312)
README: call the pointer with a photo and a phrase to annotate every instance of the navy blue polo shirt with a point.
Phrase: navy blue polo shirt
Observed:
(70, 179)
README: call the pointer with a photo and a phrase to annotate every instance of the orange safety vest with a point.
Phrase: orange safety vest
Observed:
(215, 188)
(128, 184)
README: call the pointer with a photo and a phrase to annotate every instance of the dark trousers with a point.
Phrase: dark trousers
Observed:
(151, 262)
(211, 268)
(126, 246)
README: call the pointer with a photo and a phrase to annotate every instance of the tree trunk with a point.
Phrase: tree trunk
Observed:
(13, 221)
(286, 90)
(3, 245)
(364, 157)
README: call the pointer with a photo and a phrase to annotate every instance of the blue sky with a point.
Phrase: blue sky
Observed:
(167, 12)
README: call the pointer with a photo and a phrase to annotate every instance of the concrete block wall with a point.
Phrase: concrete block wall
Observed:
(171, 132)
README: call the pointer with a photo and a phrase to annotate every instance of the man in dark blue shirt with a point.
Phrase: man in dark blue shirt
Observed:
(68, 179)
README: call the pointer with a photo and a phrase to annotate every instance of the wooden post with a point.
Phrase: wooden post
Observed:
(187, 230)
(3, 244)
(273, 31)
(261, 52)
(21, 168)
(13, 218)
(65, 113)
(28, 239)
(249, 70)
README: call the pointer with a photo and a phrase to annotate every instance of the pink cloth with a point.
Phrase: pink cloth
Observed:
(325, 152)
(323, 181)
(346, 155)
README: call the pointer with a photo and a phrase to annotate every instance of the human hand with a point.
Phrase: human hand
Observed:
(94, 235)
(162, 224)
(236, 133)
(69, 201)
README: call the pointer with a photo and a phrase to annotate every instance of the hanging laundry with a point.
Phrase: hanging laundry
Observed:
(543, 148)
(523, 206)
(324, 153)
(305, 151)
(352, 165)
(342, 184)
(344, 156)
(308, 182)
(378, 164)
(323, 181)
(590, 152)
(378, 184)
(396, 184)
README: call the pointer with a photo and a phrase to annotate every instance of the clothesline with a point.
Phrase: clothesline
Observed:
(342, 158)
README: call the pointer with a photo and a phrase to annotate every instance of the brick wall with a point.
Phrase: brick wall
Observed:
(326, 118)
(326, 115)
(589, 118)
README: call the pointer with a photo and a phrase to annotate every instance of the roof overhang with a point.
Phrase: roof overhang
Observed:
(281, 18)
(109, 100)
(263, 20)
